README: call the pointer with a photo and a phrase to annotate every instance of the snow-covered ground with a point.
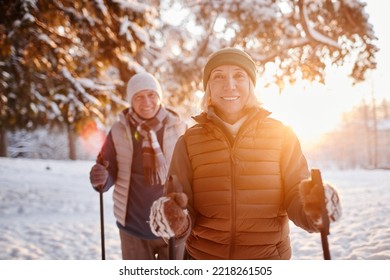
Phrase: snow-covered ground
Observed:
(48, 211)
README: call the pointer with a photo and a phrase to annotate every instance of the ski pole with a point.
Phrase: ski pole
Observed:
(317, 180)
(171, 248)
(173, 185)
(103, 249)
(102, 224)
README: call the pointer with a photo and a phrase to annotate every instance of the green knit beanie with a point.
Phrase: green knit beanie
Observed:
(229, 56)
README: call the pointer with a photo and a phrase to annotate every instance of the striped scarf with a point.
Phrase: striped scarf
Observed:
(154, 164)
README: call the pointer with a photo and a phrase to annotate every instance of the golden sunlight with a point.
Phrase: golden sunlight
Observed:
(311, 110)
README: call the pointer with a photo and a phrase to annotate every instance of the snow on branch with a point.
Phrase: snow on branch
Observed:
(47, 40)
(136, 7)
(124, 29)
(140, 33)
(80, 88)
(311, 32)
(102, 7)
(88, 83)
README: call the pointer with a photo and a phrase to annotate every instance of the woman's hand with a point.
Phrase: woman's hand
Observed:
(311, 198)
(168, 216)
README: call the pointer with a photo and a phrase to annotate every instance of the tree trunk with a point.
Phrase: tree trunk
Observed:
(71, 143)
(368, 134)
(375, 129)
(3, 142)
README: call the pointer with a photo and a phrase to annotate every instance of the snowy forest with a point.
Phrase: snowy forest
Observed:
(362, 139)
(64, 65)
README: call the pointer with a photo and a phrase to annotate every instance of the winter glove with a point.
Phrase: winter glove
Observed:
(311, 196)
(99, 175)
(168, 216)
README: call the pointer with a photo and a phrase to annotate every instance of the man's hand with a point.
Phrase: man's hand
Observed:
(99, 175)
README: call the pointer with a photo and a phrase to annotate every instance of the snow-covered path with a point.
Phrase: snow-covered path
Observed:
(48, 211)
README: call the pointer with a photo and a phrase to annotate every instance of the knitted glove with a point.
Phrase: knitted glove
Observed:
(99, 175)
(168, 216)
(311, 196)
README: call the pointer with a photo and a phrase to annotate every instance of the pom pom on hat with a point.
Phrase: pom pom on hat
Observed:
(229, 56)
(142, 81)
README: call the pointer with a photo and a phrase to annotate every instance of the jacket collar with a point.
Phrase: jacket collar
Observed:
(259, 112)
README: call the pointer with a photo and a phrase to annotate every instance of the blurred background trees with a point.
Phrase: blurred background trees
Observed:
(64, 64)
(361, 140)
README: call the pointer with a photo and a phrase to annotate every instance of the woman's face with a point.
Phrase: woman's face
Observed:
(229, 91)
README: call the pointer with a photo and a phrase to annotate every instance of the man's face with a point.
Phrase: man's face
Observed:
(146, 103)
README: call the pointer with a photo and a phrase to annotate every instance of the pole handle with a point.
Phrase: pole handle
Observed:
(317, 180)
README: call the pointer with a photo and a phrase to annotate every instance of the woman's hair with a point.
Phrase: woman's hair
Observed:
(253, 101)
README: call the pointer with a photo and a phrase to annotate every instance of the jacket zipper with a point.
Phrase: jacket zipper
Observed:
(233, 202)
(233, 193)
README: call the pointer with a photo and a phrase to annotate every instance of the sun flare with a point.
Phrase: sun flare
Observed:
(92, 138)
(311, 110)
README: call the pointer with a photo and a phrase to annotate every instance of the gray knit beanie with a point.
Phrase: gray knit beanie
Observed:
(142, 81)
(229, 56)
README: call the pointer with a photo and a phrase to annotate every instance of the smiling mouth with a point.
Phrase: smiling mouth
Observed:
(148, 109)
(230, 98)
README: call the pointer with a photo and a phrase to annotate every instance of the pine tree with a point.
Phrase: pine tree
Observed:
(299, 38)
(67, 61)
